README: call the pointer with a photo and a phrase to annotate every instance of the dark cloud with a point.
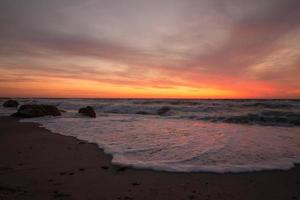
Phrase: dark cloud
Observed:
(209, 38)
(254, 37)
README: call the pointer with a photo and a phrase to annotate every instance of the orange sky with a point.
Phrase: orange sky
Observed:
(150, 49)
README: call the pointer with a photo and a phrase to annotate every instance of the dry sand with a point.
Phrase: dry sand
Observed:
(38, 164)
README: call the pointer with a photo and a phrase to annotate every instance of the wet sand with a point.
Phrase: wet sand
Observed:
(38, 164)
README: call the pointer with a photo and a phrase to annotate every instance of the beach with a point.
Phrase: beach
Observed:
(38, 164)
(149, 100)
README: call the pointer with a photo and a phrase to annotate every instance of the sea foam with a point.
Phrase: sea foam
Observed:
(181, 145)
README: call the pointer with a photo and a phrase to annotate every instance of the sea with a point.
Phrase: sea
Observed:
(183, 135)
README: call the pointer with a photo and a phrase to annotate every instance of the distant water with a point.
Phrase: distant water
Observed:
(188, 135)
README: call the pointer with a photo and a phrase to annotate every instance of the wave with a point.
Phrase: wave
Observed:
(267, 118)
(272, 105)
(260, 112)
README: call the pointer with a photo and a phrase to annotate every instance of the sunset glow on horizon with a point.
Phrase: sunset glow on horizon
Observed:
(150, 49)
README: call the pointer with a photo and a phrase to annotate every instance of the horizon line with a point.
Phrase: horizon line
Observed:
(149, 98)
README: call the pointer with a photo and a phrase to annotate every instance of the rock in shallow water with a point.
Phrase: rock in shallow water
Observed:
(87, 111)
(163, 110)
(29, 110)
(10, 103)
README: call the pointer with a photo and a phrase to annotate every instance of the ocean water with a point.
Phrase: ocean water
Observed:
(189, 136)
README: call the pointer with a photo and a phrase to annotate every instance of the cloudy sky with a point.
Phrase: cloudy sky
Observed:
(150, 48)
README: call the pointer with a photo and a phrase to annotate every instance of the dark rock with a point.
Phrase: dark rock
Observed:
(136, 183)
(10, 103)
(104, 167)
(87, 111)
(163, 110)
(81, 169)
(121, 169)
(30, 110)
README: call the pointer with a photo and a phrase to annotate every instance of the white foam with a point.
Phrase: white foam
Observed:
(181, 145)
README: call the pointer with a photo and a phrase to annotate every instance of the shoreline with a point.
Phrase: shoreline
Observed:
(150, 169)
(38, 164)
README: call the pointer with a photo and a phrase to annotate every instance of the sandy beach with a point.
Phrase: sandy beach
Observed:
(38, 164)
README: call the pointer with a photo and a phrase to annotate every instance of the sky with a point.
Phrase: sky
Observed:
(150, 48)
